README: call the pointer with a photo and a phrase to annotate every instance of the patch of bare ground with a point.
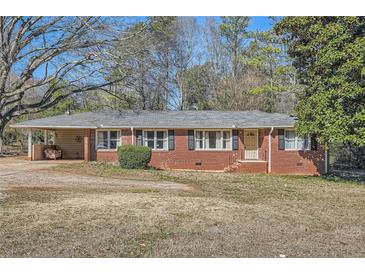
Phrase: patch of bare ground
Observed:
(220, 215)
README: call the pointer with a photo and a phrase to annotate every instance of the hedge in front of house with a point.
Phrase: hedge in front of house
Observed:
(131, 156)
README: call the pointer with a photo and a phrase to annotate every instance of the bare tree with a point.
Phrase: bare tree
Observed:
(48, 55)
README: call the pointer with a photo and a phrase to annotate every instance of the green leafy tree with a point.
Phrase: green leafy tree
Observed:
(266, 57)
(233, 30)
(329, 55)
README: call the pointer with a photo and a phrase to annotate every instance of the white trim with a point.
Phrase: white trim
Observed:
(257, 142)
(134, 126)
(155, 139)
(108, 139)
(45, 134)
(51, 127)
(270, 148)
(296, 142)
(133, 137)
(221, 141)
(30, 144)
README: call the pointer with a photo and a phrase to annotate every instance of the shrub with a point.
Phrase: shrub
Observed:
(131, 156)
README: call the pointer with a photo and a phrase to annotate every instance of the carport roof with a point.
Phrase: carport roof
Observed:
(163, 119)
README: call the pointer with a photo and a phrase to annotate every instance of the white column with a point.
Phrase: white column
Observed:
(29, 144)
(132, 135)
(270, 141)
(45, 132)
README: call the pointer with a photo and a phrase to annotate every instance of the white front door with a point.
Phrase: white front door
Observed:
(250, 141)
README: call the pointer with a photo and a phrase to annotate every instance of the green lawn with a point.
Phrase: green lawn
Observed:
(222, 215)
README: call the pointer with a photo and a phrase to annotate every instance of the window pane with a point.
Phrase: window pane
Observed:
(226, 135)
(212, 139)
(199, 143)
(290, 139)
(113, 144)
(289, 134)
(300, 143)
(218, 142)
(150, 134)
(114, 139)
(199, 139)
(160, 134)
(199, 135)
(150, 143)
(226, 139)
(102, 137)
(306, 143)
(161, 140)
(289, 144)
(159, 144)
(114, 135)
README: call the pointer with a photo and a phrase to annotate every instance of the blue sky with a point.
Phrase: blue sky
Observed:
(261, 23)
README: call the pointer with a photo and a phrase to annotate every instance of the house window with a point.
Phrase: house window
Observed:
(107, 139)
(213, 139)
(294, 142)
(155, 139)
(226, 139)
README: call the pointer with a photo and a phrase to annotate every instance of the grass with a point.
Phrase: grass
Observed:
(225, 215)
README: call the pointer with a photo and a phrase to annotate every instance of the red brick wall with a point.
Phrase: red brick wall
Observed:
(111, 155)
(107, 156)
(296, 162)
(183, 158)
(283, 162)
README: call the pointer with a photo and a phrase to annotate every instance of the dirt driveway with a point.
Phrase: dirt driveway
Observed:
(19, 172)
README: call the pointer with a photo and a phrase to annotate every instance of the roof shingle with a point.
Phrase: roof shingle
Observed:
(163, 119)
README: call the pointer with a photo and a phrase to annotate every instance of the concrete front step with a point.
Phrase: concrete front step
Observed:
(248, 166)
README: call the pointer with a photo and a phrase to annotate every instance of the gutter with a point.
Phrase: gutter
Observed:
(270, 145)
(50, 127)
(146, 127)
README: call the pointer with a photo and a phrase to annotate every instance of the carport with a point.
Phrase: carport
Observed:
(69, 140)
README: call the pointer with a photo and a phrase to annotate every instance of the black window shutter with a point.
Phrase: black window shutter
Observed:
(281, 139)
(191, 140)
(139, 138)
(314, 143)
(171, 139)
(235, 139)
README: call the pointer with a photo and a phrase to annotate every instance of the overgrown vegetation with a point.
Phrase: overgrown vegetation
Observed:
(329, 55)
(132, 157)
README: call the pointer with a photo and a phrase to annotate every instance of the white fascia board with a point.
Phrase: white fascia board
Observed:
(150, 127)
(41, 127)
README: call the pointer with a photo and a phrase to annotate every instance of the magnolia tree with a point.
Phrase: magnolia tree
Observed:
(44, 60)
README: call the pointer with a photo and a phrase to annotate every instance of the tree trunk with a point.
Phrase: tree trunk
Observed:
(2, 127)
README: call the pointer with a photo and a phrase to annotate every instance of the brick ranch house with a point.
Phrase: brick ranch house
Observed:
(244, 141)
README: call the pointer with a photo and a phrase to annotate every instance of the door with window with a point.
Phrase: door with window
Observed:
(251, 142)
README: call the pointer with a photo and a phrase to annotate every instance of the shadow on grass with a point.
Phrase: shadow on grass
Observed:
(347, 176)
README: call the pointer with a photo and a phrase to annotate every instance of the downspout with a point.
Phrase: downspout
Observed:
(326, 160)
(132, 135)
(270, 141)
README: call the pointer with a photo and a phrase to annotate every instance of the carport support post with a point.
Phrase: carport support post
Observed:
(87, 156)
(29, 144)
(45, 132)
